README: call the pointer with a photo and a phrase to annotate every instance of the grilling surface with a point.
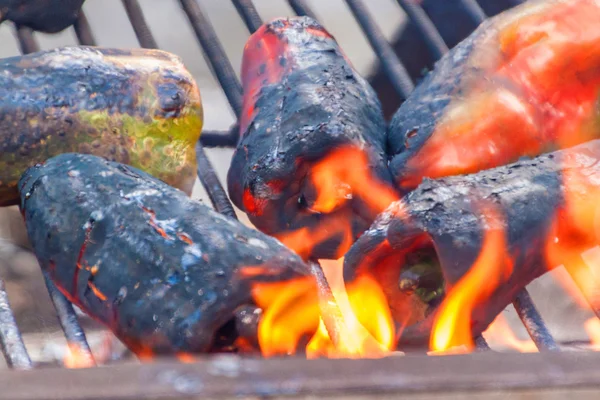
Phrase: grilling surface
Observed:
(195, 16)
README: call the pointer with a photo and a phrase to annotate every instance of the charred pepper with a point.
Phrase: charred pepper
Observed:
(138, 107)
(49, 16)
(303, 100)
(162, 271)
(548, 216)
(524, 83)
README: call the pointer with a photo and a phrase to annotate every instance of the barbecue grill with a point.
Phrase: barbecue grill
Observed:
(485, 373)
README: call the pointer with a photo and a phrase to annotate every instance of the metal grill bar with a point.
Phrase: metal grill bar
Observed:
(248, 12)
(301, 8)
(213, 187)
(27, 43)
(432, 37)
(474, 10)
(11, 341)
(216, 54)
(533, 322)
(390, 62)
(68, 321)
(83, 31)
(481, 344)
(138, 22)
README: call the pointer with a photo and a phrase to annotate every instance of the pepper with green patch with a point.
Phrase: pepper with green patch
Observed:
(137, 107)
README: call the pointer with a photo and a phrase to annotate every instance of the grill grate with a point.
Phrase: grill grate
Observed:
(12, 344)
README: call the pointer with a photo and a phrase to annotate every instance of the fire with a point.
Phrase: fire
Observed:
(345, 173)
(452, 326)
(574, 239)
(592, 327)
(499, 332)
(291, 313)
(76, 357)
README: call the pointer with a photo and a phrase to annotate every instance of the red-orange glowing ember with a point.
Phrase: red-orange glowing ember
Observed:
(453, 323)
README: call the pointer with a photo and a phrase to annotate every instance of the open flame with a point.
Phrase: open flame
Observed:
(452, 327)
(76, 357)
(499, 332)
(293, 319)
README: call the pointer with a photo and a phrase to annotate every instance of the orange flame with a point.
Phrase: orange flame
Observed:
(291, 313)
(592, 327)
(346, 173)
(76, 357)
(452, 326)
(500, 333)
(574, 239)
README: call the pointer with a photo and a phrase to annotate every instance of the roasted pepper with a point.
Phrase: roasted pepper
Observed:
(138, 107)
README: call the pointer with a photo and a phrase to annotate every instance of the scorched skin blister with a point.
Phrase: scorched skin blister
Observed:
(162, 271)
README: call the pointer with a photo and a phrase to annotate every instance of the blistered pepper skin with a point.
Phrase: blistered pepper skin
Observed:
(162, 271)
(49, 16)
(302, 100)
(524, 83)
(137, 107)
(530, 200)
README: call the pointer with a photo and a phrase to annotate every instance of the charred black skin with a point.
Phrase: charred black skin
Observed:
(319, 105)
(416, 119)
(528, 193)
(49, 16)
(162, 271)
(453, 23)
(135, 106)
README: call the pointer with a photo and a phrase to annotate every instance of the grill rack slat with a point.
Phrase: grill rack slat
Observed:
(138, 22)
(217, 58)
(12, 344)
(83, 31)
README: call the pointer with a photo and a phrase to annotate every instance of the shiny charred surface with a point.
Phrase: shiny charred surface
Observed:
(524, 83)
(442, 219)
(50, 16)
(162, 271)
(137, 107)
(302, 100)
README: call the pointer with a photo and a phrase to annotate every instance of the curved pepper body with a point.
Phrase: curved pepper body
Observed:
(162, 271)
(524, 83)
(302, 101)
(547, 211)
(138, 107)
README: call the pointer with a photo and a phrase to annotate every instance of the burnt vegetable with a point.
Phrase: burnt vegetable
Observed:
(137, 107)
(162, 271)
(430, 239)
(302, 101)
(524, 83)
(49, 16)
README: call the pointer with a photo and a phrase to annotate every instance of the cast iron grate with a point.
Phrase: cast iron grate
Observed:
(13, 348)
